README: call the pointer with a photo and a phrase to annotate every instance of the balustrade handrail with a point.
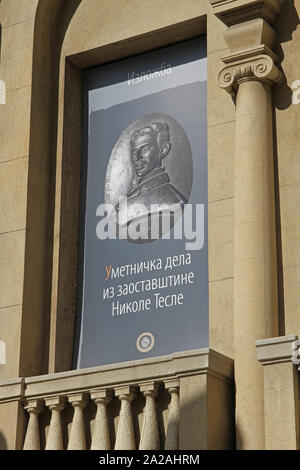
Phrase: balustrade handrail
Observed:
(175, 365)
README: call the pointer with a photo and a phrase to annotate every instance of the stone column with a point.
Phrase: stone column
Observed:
(255, 270)
(125, 439)
(101, 438)
(55, 437)
(77, 439)
(172, 433)
(32, 438)
(248, 76)
(150, 433)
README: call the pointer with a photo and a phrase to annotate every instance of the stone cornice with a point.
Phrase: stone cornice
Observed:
(171, 367)
(12, 390)
(261, 68)
(249, 54)
(277, 350)
(232, 12)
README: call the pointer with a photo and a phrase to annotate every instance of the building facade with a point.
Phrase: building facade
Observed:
(243, 390)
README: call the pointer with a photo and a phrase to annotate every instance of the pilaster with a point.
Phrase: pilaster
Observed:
(278, 356)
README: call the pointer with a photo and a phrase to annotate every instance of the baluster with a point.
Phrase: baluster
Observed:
(77, 439)
(172, 434)
(55, 437)
(125, 439)
(150, 432)
(32, 438)
(101, 438)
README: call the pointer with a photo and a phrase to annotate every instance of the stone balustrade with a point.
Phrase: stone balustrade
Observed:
(181, 401)
(101, 439)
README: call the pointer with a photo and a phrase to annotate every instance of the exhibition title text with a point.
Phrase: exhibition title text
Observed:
(158, 300)
(160, 71)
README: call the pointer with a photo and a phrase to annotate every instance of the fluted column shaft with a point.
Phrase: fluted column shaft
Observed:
(125, 439)
(77, 440)
(32, 438)
(150, 433)
(172, 433)
(101, 438)
(55, 437)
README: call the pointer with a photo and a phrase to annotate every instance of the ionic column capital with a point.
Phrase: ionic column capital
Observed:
(260, 68)
(251, 39)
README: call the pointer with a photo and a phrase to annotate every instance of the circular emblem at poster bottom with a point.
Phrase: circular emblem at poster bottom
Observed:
(145, 342)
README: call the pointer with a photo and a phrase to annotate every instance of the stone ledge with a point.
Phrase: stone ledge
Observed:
(12, 389)
(275, 350)
(173, 366)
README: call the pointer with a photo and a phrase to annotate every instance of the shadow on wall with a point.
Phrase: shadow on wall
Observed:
(285, 26)
(282, 99)
(3, 445)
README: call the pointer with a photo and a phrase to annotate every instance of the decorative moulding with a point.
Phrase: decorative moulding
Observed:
(249, 54)
(261, 68)
(277, 350)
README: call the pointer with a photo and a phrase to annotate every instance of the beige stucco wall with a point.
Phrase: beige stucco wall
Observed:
(17, 20)
(91, 27)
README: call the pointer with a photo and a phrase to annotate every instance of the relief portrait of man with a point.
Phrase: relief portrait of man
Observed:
(152, 190)
(149, 178)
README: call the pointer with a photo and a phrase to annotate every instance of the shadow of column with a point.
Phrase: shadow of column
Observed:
(3, 445)
(282, 99)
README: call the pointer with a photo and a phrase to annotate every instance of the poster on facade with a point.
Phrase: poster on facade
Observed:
(143, 264)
